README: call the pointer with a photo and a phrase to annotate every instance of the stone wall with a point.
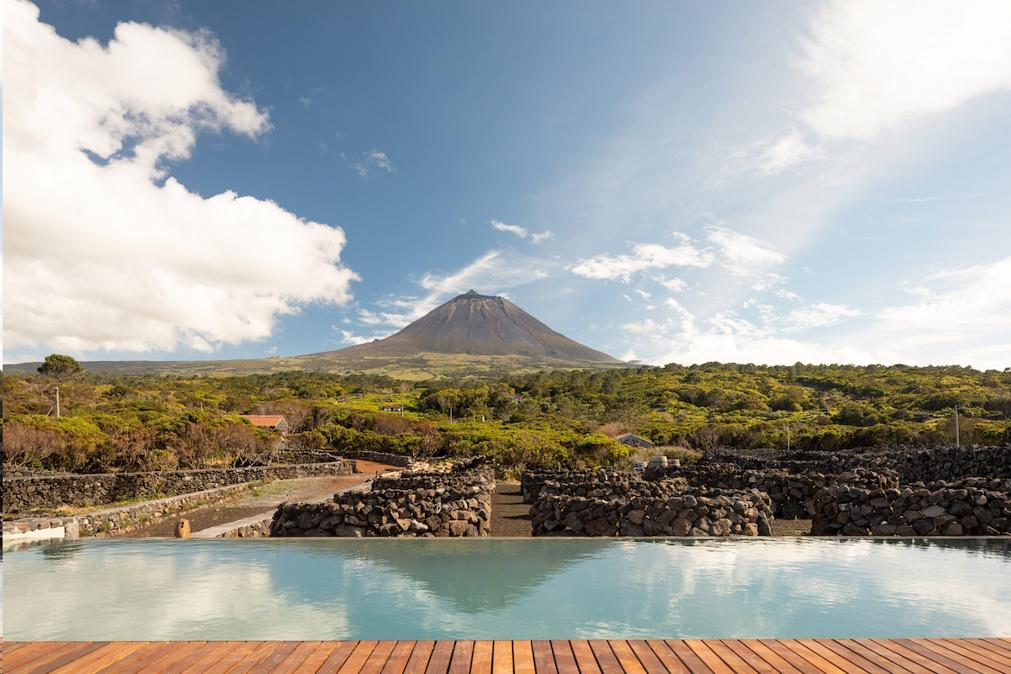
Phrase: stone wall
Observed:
(699, 513)
(378, 457)
(912, 464)
(533, 479)
(417, 504)
(49, 492)
(124, 519)
(970, 507)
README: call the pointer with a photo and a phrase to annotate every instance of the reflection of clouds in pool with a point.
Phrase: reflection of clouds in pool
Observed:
(514, 589)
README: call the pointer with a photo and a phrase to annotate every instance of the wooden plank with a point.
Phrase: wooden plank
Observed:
(358, 656)
(605, 657)
(819, 663)
(296, 658)
(929, 663)
(276, 657)
(377, 659)
(827, 654)
(962, 647)
(336, 660)
(983, 648)
(399, 658)
(687, 656)
(952, 662)
(236, 652)
(544, 658)
(103, 657)
(523, 657)
(481, 662)
(747, 655)
(883, 658)
(668, 657)
(318, 655)
(419, 657)
(1000, 645)
(647, 658)
(463, 652)
(258, 654)
(502, 657)
(780, 649)
(766, 654)
(626, 656)
(441, 656)
(37, 650)
(585, 659)
(565, 661)
(967, 659)
(711, 660)
(64, 657)
(849, 656)
(731, 659)
(140, 658)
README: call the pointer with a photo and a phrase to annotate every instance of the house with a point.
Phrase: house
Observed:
(399, 409)
(275, 422)
(633, 440)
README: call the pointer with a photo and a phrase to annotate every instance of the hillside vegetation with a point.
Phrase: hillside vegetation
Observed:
(143, 422)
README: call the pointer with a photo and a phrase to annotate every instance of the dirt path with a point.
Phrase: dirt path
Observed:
(263, 498)
(510, 516)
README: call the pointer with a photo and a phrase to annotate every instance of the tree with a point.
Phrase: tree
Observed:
(59, 365)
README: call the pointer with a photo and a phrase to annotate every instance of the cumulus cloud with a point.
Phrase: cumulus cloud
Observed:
(522, 232)
(104, 248)
(781, 154)
(643, 257)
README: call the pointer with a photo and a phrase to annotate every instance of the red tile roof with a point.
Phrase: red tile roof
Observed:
(264, 420)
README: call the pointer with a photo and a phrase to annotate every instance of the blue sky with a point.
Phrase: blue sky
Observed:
(663, 181)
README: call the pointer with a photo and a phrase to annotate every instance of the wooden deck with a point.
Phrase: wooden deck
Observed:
(726, 656)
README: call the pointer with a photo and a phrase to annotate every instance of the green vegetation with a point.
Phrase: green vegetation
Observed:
(143, 422)
(59, 365)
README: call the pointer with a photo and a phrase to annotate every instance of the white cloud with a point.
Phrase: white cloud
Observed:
(743, 254)
(644, 257)
(517, 230)
(348, 337)
(785, 152)
(819, 315)
(673, 284)
(522, 232)
(372, 159)
(877, 64)
(643, 294)
(105, 249)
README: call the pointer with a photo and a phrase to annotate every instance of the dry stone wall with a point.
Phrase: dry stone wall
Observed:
(970, 507)
(47, 493)
(701, 513)
(417, 504)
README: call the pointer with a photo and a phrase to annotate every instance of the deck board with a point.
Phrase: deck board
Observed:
(597, 656)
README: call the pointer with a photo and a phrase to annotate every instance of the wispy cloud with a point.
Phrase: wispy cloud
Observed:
(743, 254)
(521, 232)
(370, 161)
(643, 257)
(307, 99)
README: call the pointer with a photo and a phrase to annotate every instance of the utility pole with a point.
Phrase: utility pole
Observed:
(958, 437)
(57, 402)
(788, 437)
(450, 414)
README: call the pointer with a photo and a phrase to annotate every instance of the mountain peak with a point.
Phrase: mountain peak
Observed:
(471, 324)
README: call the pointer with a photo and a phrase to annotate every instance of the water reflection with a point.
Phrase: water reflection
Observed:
(325, 589)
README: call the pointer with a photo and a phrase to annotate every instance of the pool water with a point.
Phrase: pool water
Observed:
(485, 589)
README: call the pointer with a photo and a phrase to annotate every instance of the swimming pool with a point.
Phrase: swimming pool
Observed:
(521, 588)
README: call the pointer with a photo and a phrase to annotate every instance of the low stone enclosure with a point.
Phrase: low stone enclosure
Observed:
(949, 491)
(48, 493)
(122, 519)
(432, 503)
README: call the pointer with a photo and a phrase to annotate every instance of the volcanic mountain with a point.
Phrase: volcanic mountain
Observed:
(480, 325)
(470, 335)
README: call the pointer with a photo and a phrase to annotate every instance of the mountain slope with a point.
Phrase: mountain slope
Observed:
(474, 324)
